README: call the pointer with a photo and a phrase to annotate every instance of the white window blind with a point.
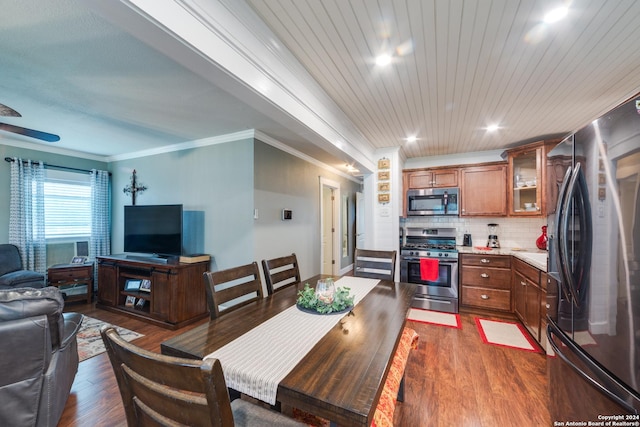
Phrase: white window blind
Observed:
(67, 207)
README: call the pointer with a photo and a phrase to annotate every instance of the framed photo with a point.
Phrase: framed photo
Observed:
(383, 176)
(130, 301)
(384, 164)
(78, 260)
(384, 186)
(384, 198)
(132, 285)
(145, 286)
(141, 302)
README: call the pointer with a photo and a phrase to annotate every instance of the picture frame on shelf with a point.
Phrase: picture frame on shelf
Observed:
(78, 260)
(132, 285)
(141, 303)
(130, 301)
(145, 285)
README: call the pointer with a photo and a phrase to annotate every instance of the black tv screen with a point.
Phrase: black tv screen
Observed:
(153, 229)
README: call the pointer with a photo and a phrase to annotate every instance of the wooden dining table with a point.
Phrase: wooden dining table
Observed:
(342, 376)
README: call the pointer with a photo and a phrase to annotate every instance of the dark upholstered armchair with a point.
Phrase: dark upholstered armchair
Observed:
(11, 273)
(38, 356)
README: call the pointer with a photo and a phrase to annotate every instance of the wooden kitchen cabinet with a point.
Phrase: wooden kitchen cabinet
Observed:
(485, 281)
(526, 183)
(431, 178)
(527, 296)
(483, 190)
(176, 296)
(427, 178)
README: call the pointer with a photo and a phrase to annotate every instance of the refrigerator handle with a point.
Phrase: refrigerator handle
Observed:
(593, 365)
(568, 187)
(586, 235)
(579, 193)
(556, 251)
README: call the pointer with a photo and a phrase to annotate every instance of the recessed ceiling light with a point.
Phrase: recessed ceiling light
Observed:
(556, 15)
(411, 139)
(383, 60)
(492, 128)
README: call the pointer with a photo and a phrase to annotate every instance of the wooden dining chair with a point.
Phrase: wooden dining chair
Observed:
(232, 288)
(159, 390)
(280, 273)
(375, 264)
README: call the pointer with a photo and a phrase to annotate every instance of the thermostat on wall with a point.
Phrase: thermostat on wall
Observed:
(287, 214)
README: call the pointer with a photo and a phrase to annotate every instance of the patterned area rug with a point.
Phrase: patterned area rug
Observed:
(505, 334)
(435, 318)
(89, 340)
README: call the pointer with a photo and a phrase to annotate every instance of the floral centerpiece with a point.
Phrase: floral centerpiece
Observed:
(325, 298)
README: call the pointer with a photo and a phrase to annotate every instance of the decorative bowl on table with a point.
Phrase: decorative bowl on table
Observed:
(325, 298)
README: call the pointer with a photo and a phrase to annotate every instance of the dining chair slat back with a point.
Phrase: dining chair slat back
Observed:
(225, 286)
(159, 390)
(375, 264)
(280, 273)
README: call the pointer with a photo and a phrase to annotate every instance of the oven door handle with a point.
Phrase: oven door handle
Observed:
(441, 261)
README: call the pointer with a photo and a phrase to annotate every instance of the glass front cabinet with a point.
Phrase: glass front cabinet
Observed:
(526, 175)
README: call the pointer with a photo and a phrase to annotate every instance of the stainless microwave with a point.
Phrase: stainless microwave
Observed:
(432, 201)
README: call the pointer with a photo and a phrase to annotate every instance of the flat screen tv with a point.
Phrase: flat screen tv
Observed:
(153, 229)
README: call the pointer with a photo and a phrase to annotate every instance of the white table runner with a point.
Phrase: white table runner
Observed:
(257, 361)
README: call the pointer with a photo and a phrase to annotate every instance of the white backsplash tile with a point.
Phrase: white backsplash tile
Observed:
(512, 232)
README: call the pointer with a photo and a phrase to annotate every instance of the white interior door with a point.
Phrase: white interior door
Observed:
(360, 220)
(327, 230)
(330, 252)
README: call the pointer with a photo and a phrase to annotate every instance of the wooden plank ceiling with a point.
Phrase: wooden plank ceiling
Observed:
(459, 66)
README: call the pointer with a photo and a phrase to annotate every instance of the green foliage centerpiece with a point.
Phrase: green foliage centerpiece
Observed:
(325, 298)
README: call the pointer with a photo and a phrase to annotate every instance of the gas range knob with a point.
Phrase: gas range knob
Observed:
(440, 254)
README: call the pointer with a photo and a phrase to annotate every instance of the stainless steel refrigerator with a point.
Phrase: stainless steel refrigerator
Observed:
(593, 328)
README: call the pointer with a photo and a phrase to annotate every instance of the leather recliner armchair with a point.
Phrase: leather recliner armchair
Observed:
(12, 275)
(38, 356)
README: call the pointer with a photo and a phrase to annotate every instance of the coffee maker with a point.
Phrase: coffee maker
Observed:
(493, 242)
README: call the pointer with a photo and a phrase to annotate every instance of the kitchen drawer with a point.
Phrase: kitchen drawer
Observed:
(499, 261)
(528, 271)
(486, 277)
(495, 299)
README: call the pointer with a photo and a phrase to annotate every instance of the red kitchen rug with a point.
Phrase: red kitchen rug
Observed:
(505, 334)
(435, 318)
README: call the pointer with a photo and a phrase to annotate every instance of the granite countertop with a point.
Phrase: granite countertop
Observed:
(533, 256)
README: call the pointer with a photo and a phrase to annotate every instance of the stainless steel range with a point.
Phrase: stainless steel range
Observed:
(440, 294)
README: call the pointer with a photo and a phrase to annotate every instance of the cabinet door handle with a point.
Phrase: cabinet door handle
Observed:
(484, 296)
(523, 283)
(548, 306)
(485, 261)
(484, 275)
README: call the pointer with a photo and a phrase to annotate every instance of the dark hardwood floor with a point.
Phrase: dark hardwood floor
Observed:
(453, 379)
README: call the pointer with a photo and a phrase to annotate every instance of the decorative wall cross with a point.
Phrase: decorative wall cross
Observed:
(134, 188)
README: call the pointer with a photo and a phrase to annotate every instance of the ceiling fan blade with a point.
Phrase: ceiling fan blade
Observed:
(49, 137)
(8, 111)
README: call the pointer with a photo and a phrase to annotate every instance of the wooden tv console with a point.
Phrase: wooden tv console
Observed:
(176, 296)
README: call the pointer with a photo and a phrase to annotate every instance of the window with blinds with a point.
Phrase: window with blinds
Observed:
(67, 205)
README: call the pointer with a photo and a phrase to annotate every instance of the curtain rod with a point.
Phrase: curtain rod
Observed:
(49, 166)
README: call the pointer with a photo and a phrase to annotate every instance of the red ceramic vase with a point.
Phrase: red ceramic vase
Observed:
(541, 242)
